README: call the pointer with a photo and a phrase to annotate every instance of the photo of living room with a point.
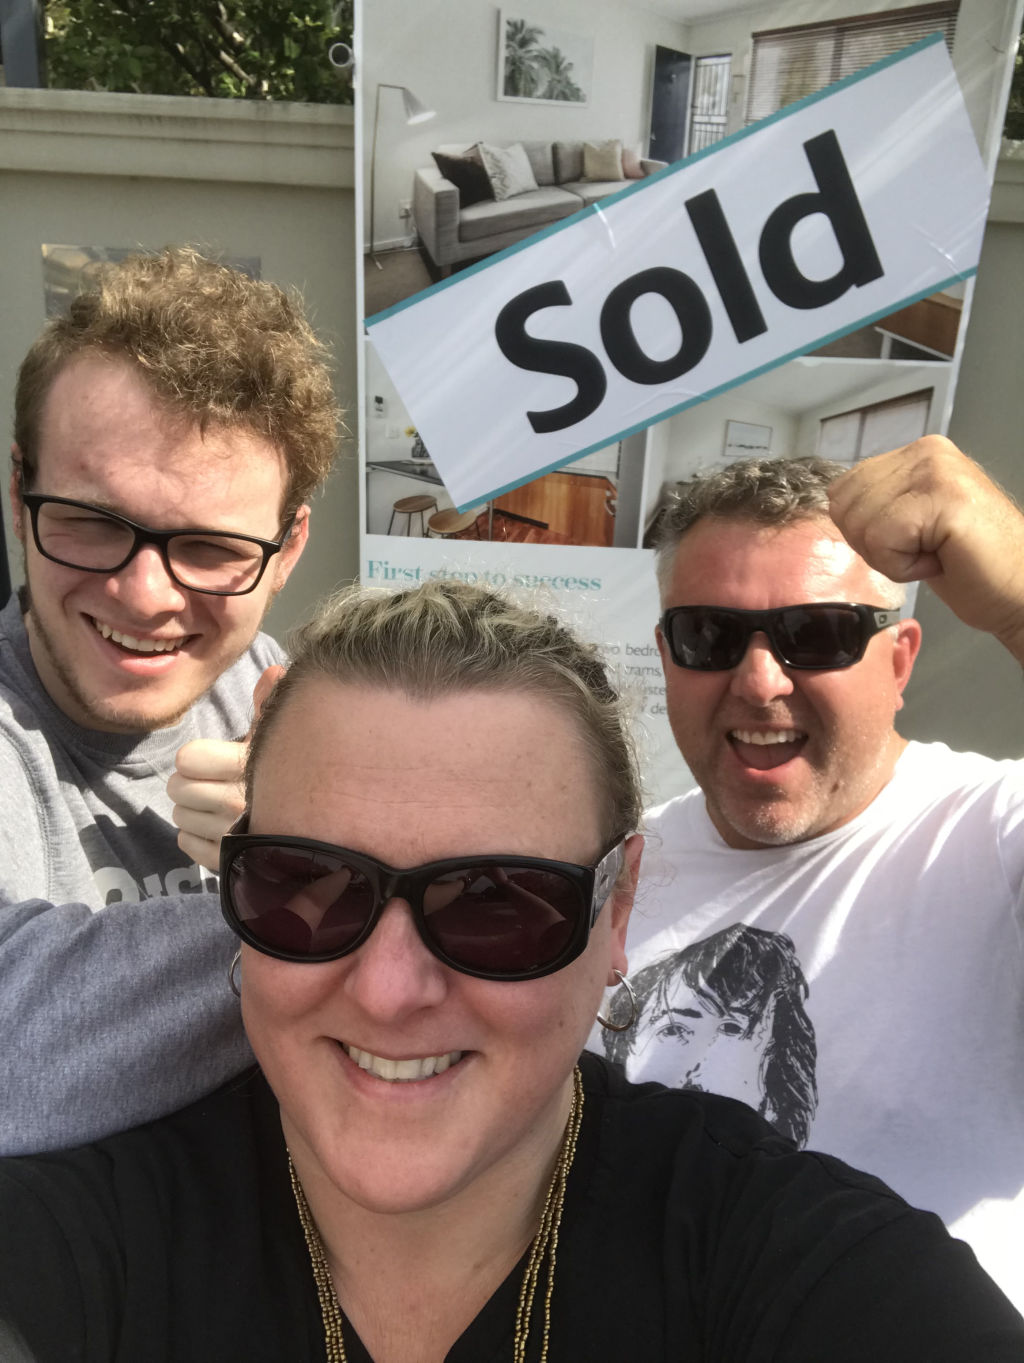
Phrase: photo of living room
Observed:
(486, 170)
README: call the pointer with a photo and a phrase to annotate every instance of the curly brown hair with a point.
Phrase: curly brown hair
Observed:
(215, 346)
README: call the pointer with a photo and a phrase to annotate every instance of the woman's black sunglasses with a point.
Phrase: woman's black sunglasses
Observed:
(819, 635)
(494, 917)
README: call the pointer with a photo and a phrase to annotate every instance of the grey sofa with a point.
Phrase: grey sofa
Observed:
(450, 235)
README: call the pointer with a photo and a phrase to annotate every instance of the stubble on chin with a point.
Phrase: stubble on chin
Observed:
(769, 820)
(768, 824)
(109, 716)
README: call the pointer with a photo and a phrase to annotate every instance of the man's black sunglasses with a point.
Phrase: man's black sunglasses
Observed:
(818, 635)
(493, 917)
(93, 540)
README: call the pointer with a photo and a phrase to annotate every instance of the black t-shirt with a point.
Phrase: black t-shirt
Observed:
(692, 1232)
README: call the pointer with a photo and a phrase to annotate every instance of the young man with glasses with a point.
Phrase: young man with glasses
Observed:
(169, 431)
(892, 871)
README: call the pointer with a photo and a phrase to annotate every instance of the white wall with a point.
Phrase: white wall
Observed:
(445, 51)
(385, 436)
(273, 181)
(966, 689)
(658, 448)
(696, 438)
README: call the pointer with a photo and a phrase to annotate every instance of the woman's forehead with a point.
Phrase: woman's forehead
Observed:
(399, 776)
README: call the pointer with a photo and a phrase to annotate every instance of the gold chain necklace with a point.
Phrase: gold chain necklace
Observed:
(545, 1245)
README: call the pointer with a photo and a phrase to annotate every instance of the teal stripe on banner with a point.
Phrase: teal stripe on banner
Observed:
(673, 169)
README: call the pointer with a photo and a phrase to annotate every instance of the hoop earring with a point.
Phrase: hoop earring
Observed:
(236, 961)
(634, 1010)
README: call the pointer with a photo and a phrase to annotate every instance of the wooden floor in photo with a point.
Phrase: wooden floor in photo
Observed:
(401, 274)
(510, 530)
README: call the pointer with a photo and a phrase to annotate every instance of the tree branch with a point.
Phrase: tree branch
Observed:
(222, 23)
(231, 65)
(179, 54)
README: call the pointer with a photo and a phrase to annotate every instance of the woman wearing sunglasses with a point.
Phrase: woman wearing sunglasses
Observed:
(431, 886)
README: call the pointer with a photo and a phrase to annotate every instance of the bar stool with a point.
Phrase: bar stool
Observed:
(452, 522)
(413, 506)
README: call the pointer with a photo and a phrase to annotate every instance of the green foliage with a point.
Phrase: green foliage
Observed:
(1014, 125)
(232, 49)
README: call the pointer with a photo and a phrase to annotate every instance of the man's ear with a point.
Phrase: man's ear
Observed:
(622, 903)
(905, 649)
(14, 488)
(293, 546)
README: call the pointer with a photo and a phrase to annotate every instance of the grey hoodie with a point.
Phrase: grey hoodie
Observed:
(114, 1000)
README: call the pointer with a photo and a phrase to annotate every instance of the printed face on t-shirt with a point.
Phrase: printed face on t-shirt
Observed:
(712, 1048)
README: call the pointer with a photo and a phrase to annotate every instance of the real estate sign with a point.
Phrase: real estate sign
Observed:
(838, 210)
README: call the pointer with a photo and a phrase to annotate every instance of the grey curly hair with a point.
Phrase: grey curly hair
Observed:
(772, 492)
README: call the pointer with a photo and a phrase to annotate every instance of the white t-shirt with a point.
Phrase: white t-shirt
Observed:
(866, 992)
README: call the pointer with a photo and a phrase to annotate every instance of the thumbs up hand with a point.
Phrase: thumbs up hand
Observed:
(207, 785)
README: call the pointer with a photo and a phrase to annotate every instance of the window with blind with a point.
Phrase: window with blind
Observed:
(789, 63)
(850, 436)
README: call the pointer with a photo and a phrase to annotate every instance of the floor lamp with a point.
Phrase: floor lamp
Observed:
(415, 112)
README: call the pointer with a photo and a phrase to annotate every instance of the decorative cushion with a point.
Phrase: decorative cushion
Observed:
(460, 149)
(631, 167)
(602, 160)
(568, 161)
(541, 161)
(467, 175)
(508, 169)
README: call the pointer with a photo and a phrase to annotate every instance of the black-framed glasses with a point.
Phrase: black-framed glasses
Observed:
(79, 535)
(493, 917)
(818, 635)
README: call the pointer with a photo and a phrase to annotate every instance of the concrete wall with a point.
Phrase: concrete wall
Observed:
(274, 181)
(966, 690)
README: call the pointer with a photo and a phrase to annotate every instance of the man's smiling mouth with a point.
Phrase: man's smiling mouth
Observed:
(765, 749)
(129, 641)
(402, 1071)
(766, 737)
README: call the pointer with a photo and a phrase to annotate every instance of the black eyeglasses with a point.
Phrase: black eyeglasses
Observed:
(81, 536)
(818, 635)
(494, 917)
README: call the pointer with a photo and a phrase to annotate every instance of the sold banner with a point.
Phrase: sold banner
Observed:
(836, 211)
